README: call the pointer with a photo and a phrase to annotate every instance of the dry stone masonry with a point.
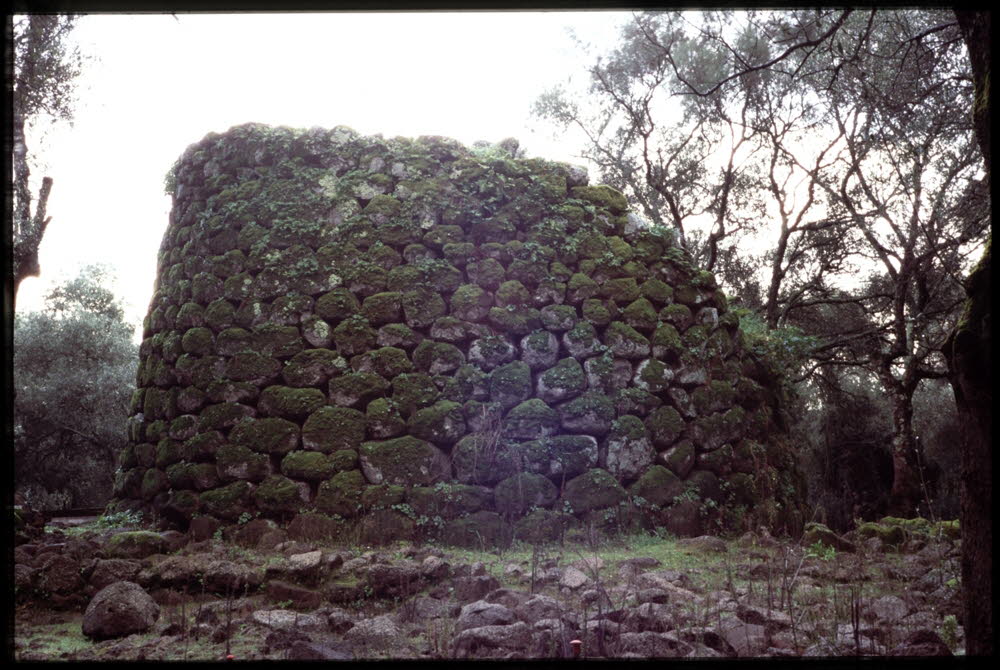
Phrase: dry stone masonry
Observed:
(406, 338)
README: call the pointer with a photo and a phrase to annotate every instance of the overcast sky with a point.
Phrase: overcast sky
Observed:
(159, 83)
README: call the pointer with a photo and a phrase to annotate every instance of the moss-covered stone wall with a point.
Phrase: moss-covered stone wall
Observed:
(410, 338)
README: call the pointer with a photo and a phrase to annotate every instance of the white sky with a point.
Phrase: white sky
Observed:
(160, 83)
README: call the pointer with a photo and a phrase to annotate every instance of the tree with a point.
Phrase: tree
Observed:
(74, 374)
(45, 72)
(853, 139)
(969, 352)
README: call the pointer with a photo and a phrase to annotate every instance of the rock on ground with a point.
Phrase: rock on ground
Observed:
(119, 609)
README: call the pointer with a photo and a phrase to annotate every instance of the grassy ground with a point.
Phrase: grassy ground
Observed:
(826, 593)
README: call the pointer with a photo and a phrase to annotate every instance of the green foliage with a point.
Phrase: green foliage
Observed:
(119, 519)
(788, 347)
(74, 374)
(821, 551)
(949, 630)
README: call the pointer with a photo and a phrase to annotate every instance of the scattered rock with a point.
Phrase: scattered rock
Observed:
(482, 613)
(391, 580)
(435, 568)
(379, 632)
(888, 608)
(111, 570)
(652, 645)
(746, 639)
(492, 641)
(922, 643)
(299, 597)
(572, 578)
(119, 609)
(468, 589)
(771, 619)
(287, 620)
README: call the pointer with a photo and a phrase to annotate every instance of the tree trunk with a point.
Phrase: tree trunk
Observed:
(906, 492)
(969, 354)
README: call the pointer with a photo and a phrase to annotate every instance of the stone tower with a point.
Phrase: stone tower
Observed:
(405, 338)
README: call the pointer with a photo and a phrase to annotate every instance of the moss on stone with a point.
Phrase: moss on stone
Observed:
(413, 391)
(713, 397)
(541, 526)
(483, 458)
(510, 384)
(564, 381)
(313, 367)
(227, 502)
(382, 496)
(329, 429)
(580, 287)
(665, 426)
(183, 427)
(448, 501)
(398, 335)
(135, 544)
(657, 486)
(623, 290)
(515, 320)
(680, 458)
(154, 481)
(403, 278)
(590, 413)
(403, 460)
(653, 376)
(278, 341)
(539, 349)
(354, 335)
(290, 402)
(594, 489)
(581, 340)
(234, 461)
(512, 292)
(387, 362)
(382, 308)
(266, 436)
(516, 495)
(641, 315)
(278, 495)
(558, 318)
(341, 494)
(383, 419)
(531, 419)
(234, 340)
(337, 305)
(252, 367)
(595, 311)
(477, 531)
(470, 302)
(356, 389)
(224, 415)
(442, 423)
(421, 306)
(199, 341)
(625, 341)
(677, 315)
(190, 315)
(695, 337)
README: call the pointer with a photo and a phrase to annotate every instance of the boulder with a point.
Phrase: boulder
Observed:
(287, 620)
(119, 609)
(492, 641)
(482, 613)
(379, 632)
